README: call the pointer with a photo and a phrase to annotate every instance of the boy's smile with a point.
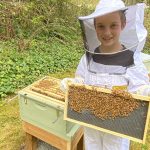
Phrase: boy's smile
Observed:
(108, 29)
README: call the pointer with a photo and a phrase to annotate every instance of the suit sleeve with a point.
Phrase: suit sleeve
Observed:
(82, 68)
(137, 77)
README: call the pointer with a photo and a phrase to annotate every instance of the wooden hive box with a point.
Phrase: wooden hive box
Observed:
(42, 105)
(125, 117)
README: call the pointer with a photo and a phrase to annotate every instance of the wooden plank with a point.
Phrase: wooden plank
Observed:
(45, 136)
(80, 145)
(68, 146)
(31, 142)
(46, 101)
(100, 89)
(28, 141)
(78, 135)
(103, 130)
(53, 88)
(34, 141)
(46, 98)
(147, 123)
(48, 93)
(33, 131)
(41, 95)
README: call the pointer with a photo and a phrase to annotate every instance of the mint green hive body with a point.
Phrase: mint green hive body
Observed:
(45, 114)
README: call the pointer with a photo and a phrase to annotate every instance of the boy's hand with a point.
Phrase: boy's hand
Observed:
(144, 90)
(63, 84)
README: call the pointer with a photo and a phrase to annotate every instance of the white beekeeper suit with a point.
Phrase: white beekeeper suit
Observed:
(133, 75)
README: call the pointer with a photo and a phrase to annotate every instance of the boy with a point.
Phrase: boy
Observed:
(112, 58)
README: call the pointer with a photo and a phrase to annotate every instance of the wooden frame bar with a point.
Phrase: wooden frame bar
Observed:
(33, 132)
(135, 96)
(46, 92)
(51, 96)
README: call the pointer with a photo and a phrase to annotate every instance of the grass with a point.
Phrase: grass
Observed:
(89, 3)
(12, 135)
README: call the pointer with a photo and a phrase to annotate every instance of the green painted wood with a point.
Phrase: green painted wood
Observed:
(45, 114)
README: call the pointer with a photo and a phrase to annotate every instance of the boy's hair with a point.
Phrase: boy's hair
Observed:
(122, 17)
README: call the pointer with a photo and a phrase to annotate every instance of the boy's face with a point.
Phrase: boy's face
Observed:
(108, 28)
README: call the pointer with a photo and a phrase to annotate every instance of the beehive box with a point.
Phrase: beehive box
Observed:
(42, 104)
(118, 113)
(146, 61)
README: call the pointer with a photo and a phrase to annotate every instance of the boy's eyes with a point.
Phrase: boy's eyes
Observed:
(100, 26)
(114, 25)
(111, 26)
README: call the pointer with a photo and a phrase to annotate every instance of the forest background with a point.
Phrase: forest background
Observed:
(39, 38)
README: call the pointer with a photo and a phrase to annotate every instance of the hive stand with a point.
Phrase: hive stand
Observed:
(33, 133)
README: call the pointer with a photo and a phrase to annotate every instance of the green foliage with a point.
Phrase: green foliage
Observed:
(20, 69)
(132, 2)
(24, 20)
(144, 147)
(147, 25)
(39, 38)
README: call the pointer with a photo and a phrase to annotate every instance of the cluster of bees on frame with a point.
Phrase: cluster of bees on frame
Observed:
(49, 87)
(103, 105)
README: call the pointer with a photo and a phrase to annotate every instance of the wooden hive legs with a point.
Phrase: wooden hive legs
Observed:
(33, 133)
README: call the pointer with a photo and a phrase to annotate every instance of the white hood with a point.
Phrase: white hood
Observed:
(133, 35)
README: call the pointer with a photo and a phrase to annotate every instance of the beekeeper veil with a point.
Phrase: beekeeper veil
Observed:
(132, 37)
